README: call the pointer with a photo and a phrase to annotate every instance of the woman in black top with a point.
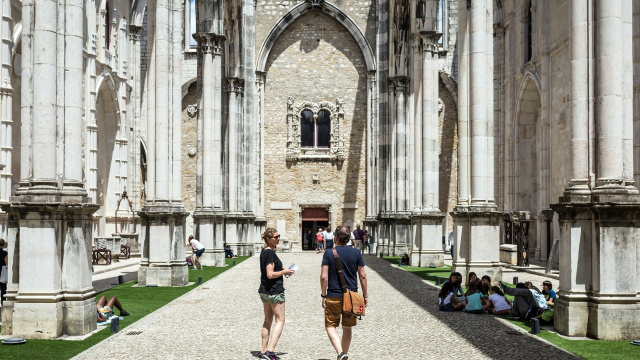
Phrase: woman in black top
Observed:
(271, 293)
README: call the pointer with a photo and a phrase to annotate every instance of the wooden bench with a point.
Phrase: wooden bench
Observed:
(125, 250)
(101, 254)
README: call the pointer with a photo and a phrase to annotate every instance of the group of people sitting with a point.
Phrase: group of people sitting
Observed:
(480, 297)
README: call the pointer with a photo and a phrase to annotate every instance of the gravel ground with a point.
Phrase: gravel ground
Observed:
(222, 320)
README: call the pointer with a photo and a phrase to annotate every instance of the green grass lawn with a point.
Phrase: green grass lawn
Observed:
(587, 349)
(426, 273)
(137, 301)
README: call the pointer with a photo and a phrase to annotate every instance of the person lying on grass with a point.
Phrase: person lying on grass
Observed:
(105, 308)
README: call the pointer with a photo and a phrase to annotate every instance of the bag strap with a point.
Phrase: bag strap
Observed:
(338, 264)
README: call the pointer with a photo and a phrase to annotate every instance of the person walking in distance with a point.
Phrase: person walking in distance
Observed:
(271, 293)
(358, 236)
(331, 290)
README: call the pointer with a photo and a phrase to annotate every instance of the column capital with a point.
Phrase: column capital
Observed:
(430, 41)
(399, 83)
(235, 85)
(261, 77)
(135, 32)
(210, 43)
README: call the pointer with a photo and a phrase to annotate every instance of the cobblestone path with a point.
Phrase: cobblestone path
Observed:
(222, 319)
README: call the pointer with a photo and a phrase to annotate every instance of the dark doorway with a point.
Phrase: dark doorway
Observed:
(312, 219)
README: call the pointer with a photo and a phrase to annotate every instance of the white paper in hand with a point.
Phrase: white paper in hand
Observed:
(293, 267)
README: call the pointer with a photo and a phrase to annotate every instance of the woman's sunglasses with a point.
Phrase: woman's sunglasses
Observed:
(276, 237)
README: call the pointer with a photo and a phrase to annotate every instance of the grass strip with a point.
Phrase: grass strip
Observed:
(587, 349)
(426, 273)
(137, 301)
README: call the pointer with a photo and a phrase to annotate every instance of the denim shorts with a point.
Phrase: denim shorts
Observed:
(272, 299)
(199, 252)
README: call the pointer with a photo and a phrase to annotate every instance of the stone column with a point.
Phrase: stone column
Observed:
(599, 225)
(636, 92)
(6, 102)
(427, 219)
(476, 219)
(163, 216)
(135, 33)
(209, 214)
(51, 211)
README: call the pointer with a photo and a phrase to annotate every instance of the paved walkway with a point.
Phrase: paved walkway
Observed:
(222, 320)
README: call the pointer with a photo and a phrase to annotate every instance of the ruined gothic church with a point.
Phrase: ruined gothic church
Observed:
(153, 120)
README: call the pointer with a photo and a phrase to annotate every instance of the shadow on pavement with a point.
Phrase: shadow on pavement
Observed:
(486, 332)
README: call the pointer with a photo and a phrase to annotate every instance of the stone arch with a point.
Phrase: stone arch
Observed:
(187, 84)
(450, 84)
(448, 164)
(301, 9)
(106, 181)
(525, 170)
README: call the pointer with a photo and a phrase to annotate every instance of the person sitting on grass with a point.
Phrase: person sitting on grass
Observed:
(485, 286)
(476, 303)
(197, 248)
(473, 278)
(500, 305)
(456, 282)
(447, 300)
(228, 253)
(550, 295)
(404, 261)
(105, 308)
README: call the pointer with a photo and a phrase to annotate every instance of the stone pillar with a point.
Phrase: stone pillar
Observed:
(427, 218)
(6, 102)
(51, 213)
(135, 33)
(209, 213)
(163, 216)
(599, 225)
(476, 219)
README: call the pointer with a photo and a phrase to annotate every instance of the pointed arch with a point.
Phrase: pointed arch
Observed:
(301, 9)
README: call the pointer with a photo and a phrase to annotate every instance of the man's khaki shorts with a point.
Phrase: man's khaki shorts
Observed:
(333, 312)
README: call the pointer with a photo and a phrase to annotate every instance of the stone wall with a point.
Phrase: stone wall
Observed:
(189, 145)
(269, 12)
(448, 120)
(316, 59)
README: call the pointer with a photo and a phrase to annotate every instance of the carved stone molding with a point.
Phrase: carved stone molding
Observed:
(210, 43)
(192, 110)
(235, 85)
(295, 152)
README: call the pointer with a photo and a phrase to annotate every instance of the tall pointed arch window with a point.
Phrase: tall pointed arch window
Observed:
(107, 27)
(315, 131)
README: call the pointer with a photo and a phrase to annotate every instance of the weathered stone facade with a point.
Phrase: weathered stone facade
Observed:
(445, 115)
(314, 60)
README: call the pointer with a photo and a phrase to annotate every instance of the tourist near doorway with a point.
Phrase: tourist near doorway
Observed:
(312, 219)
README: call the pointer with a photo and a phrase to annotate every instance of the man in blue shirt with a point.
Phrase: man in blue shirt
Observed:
(352, 267)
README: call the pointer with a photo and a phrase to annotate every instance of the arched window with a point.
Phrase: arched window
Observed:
(315, 132)
(107, 27)
(307, 129)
